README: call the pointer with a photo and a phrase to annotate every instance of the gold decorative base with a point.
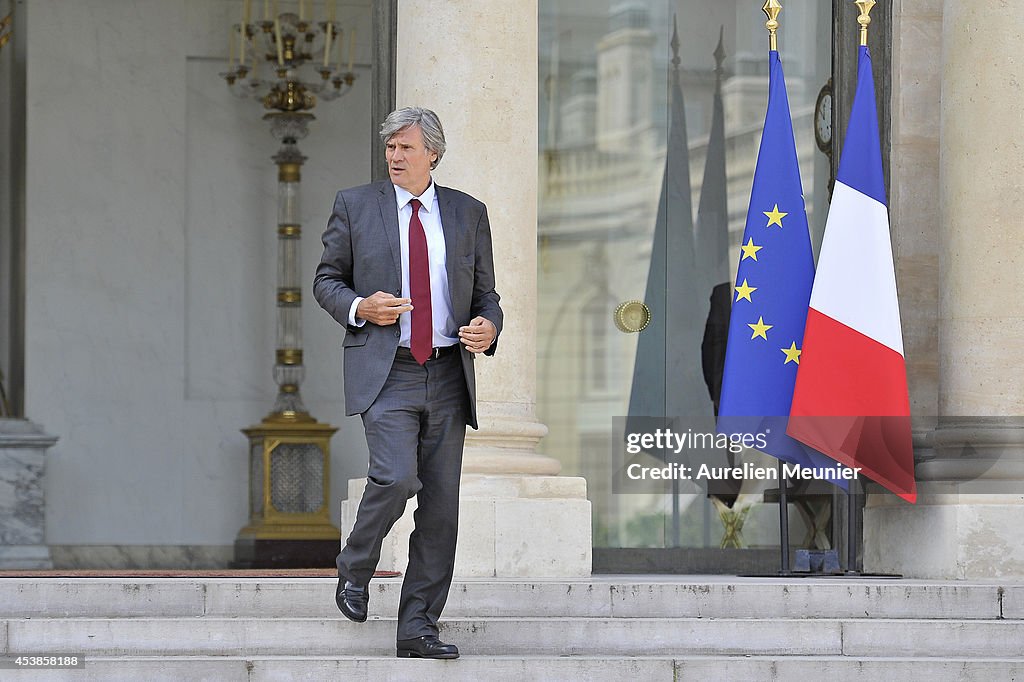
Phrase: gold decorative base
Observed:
(289, 418)
(289, 511)
(290, 531)
(292, 424)
(276, 554)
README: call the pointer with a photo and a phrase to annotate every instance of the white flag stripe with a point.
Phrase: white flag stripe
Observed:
(855, 283)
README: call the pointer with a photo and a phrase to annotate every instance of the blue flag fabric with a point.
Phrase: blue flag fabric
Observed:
(860, 165)
(773, 288)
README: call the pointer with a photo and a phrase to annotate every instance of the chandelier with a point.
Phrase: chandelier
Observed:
(288, 59)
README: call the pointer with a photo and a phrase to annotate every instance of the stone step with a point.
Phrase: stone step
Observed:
(846, 668)
(526, 669)
(210, 636)
(616, 596)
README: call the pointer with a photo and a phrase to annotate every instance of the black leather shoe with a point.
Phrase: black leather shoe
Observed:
(427, 646)
(352, 600)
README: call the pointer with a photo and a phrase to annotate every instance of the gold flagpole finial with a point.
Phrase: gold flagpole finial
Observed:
(771, 9)
(864, 19)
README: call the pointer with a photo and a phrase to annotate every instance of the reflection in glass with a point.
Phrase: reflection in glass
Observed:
(643, 193)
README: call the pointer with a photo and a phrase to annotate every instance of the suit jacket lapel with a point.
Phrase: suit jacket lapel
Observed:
(450, 227)
(389, 216)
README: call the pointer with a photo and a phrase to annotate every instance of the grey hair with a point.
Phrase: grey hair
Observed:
(427, 120)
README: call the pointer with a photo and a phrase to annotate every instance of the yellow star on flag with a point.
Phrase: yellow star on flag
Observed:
(760, 329)
(792, 354)
(744, 291)
(749, 249)
(775, 216)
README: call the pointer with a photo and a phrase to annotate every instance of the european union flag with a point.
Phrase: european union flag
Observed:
(773, 287)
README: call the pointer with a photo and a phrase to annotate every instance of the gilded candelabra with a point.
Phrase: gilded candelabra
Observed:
(5, 29)
(287, 61)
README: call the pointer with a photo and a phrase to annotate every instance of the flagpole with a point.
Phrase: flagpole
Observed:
(676, 525)
(771, 9)
(784, 519)
(851, 532)
(864, 19)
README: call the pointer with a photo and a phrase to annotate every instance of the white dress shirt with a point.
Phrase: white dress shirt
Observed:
(446, 331)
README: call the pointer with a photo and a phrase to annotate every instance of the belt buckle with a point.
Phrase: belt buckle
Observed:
(438, 351)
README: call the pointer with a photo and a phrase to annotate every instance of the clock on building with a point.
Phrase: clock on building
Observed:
(823, 118)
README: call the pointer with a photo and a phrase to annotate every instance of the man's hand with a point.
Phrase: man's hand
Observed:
(382, 308)
(478, 335)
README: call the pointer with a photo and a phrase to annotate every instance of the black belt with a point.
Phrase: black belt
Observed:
(435, 353)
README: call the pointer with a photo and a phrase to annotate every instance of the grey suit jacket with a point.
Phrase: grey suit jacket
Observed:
(362, 255)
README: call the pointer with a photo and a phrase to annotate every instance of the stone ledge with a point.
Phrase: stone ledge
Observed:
(22, 433)
(600, 596)
(1013, 602)
(534, 487)
(565, 669)
(945, 541)
(25, 557)
(509, 526)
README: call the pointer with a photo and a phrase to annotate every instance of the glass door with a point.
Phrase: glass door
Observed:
(650, 118)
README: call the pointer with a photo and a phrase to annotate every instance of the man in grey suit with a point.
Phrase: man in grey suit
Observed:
(407, 269)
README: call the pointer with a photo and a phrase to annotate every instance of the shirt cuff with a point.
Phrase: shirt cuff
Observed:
(352, 313)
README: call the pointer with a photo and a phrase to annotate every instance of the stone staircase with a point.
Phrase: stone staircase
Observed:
(606, 628)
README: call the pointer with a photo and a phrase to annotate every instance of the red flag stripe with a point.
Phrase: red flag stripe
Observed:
(850, 402)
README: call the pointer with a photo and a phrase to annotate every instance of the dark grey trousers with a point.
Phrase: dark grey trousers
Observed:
(415, 431)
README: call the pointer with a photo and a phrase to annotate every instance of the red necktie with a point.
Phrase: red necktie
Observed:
(422, 341)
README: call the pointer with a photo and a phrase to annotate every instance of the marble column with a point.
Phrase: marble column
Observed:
(23, 447)
(518, 517)
(969, 519)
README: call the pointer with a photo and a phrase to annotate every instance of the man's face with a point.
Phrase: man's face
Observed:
(409, 160)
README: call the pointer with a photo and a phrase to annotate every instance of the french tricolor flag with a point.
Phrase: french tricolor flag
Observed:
(850, 400)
